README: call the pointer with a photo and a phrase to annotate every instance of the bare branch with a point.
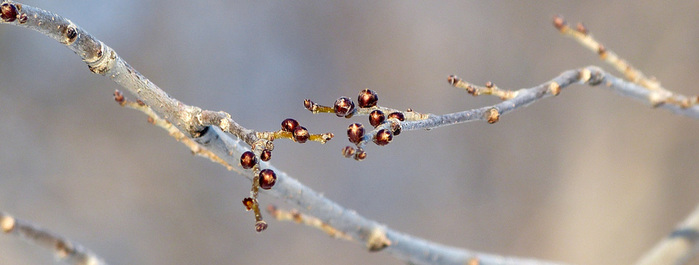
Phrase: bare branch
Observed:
(209, 127)
(659, 94)
(153, 118)
(679, 247)
(65, 250)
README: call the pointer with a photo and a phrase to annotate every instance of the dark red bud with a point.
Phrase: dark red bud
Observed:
(344, 107)
(248, 160)
(289, 125)
(300, 134)
(383, 137)
(355, 132)
(397, 115)
(267, 178)
(367, 98)
(376, 117)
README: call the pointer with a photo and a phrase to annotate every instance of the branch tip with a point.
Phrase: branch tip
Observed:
(7, 223)
(377, 240)
(8, 12)
(492, 115)
(260, 226)
(559, 22)
(453, 79)
(580, 27)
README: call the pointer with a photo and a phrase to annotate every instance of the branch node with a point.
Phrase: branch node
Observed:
(8, 12)
(260, 226)
(580, 27)
(554, 88)
(584, 75)
(102, 64)
(473, 261)
(377, 240)
(7, 223)
(492, 115)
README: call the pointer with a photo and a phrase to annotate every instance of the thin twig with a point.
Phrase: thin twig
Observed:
(679, 247)
(659, 94)
(312, 221)
(65, 250)
(154, 119)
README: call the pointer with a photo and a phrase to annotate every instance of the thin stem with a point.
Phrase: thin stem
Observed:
(679, 247)
(660, 95)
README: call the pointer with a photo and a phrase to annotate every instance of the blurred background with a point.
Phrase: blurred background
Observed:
(587, 177)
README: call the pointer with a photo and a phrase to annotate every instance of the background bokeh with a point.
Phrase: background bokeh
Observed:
(587, 177)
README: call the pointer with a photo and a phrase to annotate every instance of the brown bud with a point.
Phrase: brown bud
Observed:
(395, 128)
(360, 155)
(266, 155)
(492, 115)
(383, 137)
(559, 22)
(453, 80)
(119, 97)
(601, 51)
(23, 18)
(376, 117)
(344, 107)
(300, 134)
(267, 178)
(71, 34)
(289, 125)
(355, 132)
(581, 28)
(8, 12)
(248, 160)
(348, 151)
(308, 104)
(489, 84)
(397, 115)
(248, 203)
(260, 226)
(367, 98)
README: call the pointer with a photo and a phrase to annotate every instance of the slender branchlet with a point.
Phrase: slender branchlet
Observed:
(65, 250)
(271, 136)
(300, 218)
(679, 247)
(409, 115)
(154, 119)
(658, 94)
(260, 224)
(488, 89)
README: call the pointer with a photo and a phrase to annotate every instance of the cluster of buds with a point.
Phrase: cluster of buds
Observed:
(386, 126)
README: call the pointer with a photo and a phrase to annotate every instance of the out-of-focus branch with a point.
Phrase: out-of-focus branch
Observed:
(65, 250)
(659, 94)
(154, 119)
(208, 127)
(679, 247)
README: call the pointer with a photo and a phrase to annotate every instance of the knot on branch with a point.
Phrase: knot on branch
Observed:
(106, 58)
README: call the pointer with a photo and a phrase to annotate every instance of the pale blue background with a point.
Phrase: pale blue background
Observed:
(587, 177)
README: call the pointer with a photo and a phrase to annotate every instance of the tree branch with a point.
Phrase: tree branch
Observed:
(65, 250)
(679, 246)
(103, 60)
